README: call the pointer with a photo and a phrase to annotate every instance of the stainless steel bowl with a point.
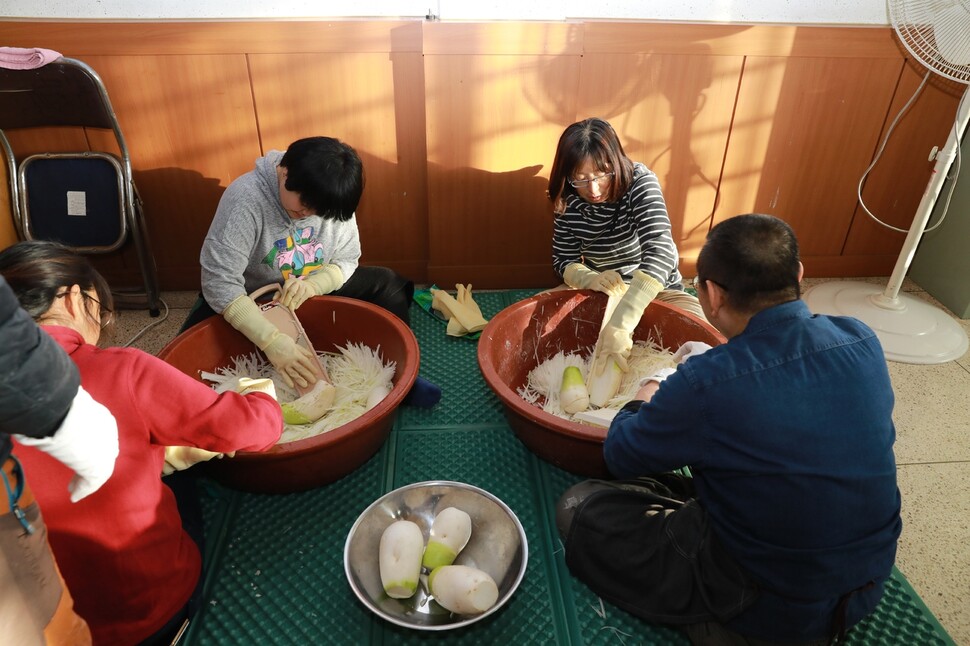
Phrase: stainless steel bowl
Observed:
(497, 546)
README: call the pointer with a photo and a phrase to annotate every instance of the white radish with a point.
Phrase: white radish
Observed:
(573, 396)
(603, 387)
(377, 395)
(311, 406)
(463, 590)
(402, 544)
(450, 532)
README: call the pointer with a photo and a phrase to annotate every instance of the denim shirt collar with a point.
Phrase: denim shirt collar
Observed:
(777, 314)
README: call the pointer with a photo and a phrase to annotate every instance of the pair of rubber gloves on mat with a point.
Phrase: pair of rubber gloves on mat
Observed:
(616, 336)
(178, 458)
(463, 314)
(296, 364)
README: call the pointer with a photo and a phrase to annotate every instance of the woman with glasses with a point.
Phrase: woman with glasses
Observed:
(129, 563)
(611, 219)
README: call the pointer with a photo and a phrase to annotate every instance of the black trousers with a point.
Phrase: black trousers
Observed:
(378, 285)
(646, 546)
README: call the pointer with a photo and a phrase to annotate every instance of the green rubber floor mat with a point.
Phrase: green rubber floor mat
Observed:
(452, 364)
(275, 562)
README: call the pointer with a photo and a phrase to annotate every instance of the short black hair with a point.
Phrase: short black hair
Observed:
(754, 258)
(327, 174)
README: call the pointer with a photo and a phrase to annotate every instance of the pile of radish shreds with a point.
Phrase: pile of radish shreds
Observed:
(545, 380)
(355, 371)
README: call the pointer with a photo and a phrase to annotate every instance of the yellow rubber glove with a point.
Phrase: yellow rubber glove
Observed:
(179, 458)
(294, 362)
(472, 312)
(296, 291)
(247, 385)
(616, 338)
(580, 276)
(465, 298)
(462, 318)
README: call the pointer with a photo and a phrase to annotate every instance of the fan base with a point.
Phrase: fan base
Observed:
(909, 329)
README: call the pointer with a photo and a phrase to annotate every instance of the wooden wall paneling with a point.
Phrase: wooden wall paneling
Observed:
(498, 97)
(117, 38)
(190, 129)
(802, 128)
(358, 98)
(503, 38)
(740, 40)
(673, 113)
(896, 184)
(493, 124)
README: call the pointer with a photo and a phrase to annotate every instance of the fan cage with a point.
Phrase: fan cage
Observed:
(916, 23)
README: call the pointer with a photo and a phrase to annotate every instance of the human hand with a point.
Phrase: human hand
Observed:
(690, 349)
(86, 442)
(296, 292)
(297, 365)
(613, 343)
(608, 282)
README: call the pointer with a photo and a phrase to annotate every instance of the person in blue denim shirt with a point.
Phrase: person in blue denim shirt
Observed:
(787, 531)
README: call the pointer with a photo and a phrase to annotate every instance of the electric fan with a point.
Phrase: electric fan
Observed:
(937, 33)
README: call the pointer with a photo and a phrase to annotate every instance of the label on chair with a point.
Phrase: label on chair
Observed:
(77, 203)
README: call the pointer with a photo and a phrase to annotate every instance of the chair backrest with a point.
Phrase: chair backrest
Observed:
(65, 92)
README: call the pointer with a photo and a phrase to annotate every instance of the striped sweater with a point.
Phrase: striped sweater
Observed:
(631, 233)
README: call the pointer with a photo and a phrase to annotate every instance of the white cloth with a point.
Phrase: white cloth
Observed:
(86, 441)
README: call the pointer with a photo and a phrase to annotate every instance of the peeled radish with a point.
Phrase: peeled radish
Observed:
(449, 534)
(603, 387)
(376, 396)
(463, 590)
(402, 545)
(311, 406)
(573, 396)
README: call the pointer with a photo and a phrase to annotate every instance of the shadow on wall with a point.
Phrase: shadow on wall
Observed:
(178, 206)
(493, 229)
(662, 109)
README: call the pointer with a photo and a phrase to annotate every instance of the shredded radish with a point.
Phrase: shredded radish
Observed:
(356, 371)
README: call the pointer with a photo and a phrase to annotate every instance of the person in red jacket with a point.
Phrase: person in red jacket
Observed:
(43, 405)
(130, 565)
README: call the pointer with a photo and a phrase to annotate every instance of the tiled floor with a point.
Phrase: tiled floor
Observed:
(932, 451)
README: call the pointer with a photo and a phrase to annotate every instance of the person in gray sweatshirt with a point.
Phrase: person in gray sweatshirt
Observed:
(292, 220)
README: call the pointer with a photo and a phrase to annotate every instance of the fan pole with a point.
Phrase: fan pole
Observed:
(889, 299)
(909, 329)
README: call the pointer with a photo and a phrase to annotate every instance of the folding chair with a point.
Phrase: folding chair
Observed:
(84, 200)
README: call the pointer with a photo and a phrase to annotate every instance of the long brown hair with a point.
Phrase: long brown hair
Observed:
(593, 139)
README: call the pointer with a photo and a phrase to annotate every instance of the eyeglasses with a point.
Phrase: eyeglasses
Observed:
(696, 283)
(602, 180)
(105, 314)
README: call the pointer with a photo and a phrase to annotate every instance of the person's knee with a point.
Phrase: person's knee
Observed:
(570, 501)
